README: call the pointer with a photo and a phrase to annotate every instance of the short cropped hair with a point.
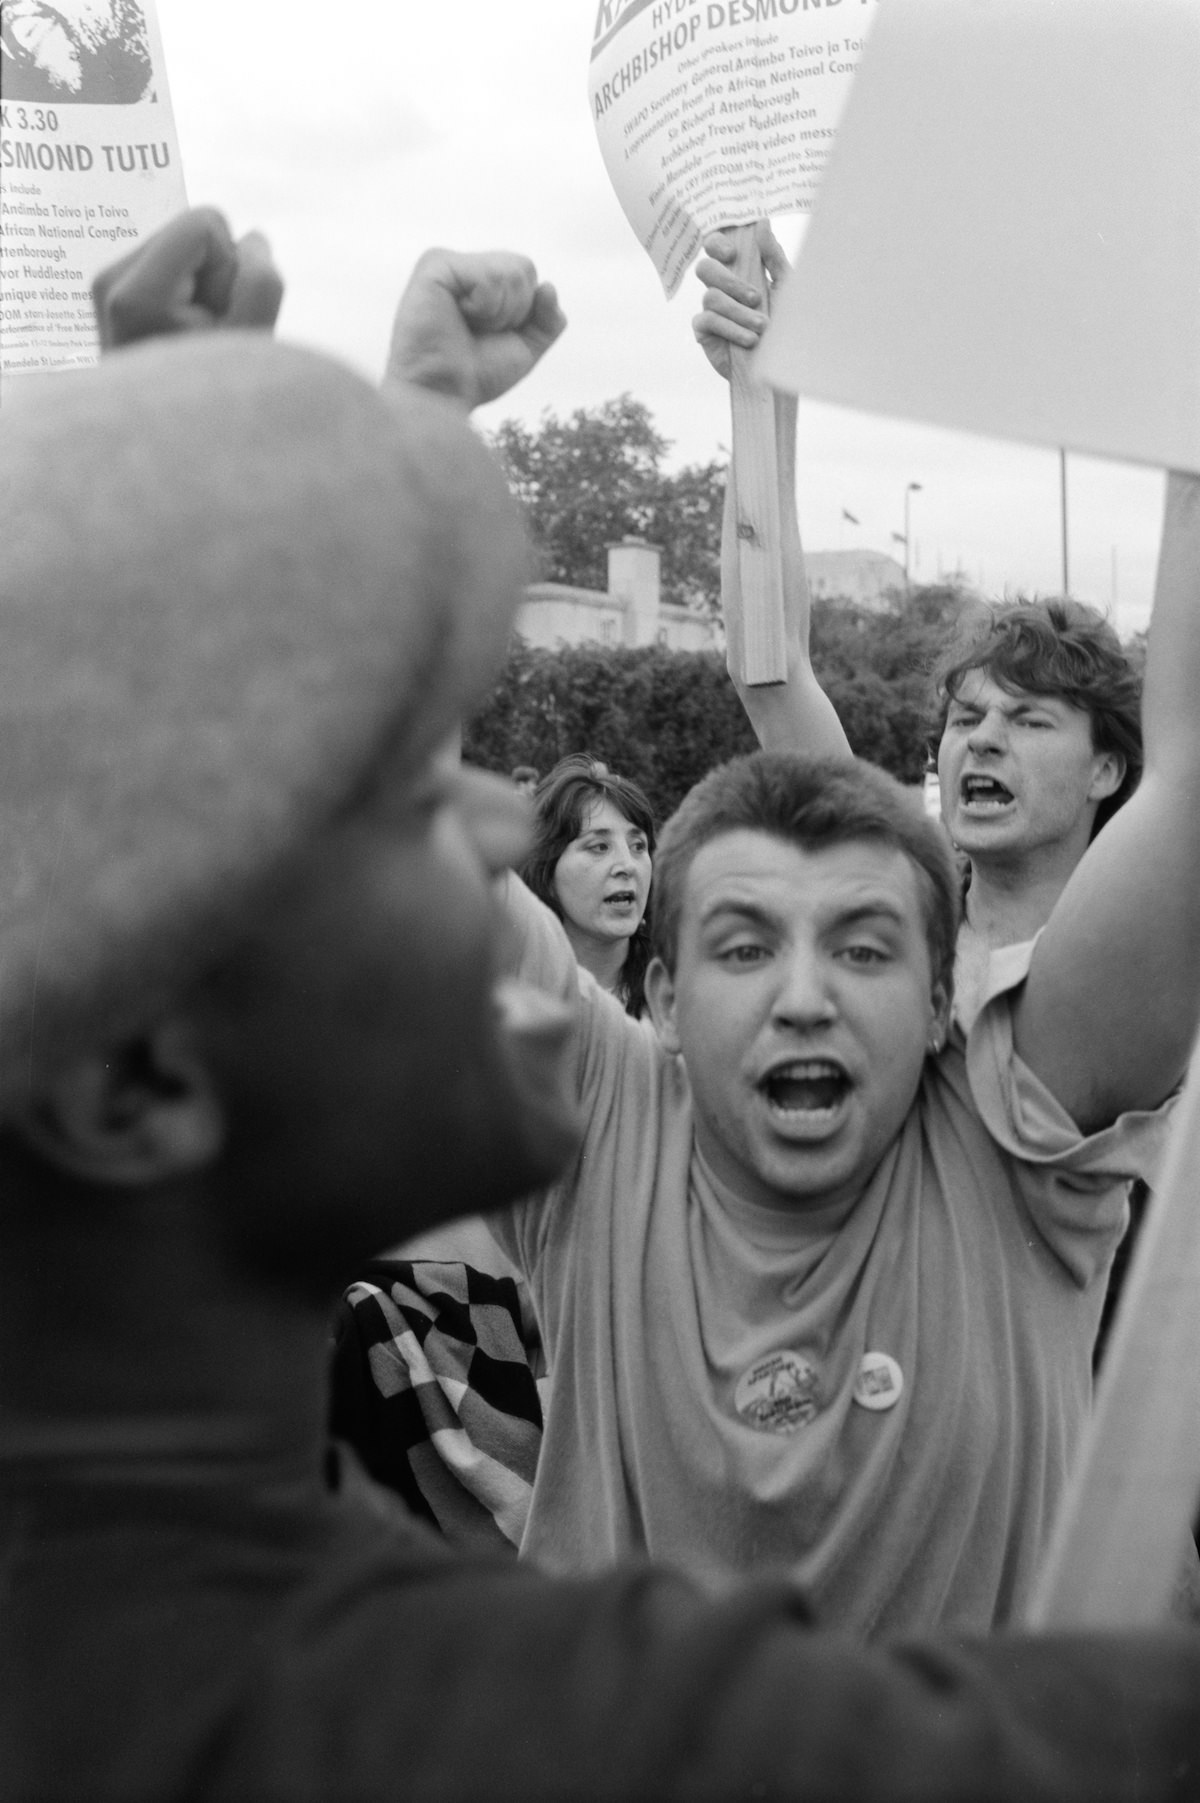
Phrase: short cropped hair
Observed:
(813, 803)
(562, 799)
(1062, 648)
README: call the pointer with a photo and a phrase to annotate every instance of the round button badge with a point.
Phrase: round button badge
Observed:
(879, 1381)
(778, 1393)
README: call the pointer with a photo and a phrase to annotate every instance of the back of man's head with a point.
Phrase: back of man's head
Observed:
(1054, 647)
(233, 575)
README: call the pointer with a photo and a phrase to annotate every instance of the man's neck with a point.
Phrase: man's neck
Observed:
(605, 958)
(129, 1348)
(1011, 900)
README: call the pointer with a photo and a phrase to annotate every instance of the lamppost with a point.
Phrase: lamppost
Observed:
(913, 488)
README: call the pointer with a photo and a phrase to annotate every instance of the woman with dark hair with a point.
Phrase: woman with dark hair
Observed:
(591, 863)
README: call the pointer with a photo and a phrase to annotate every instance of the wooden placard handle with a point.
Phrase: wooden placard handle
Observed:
(753, 473)
(1122, 1536)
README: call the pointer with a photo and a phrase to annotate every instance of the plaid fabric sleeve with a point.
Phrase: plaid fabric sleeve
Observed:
(434, 1386)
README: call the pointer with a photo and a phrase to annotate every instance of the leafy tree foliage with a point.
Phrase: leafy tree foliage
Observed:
(597, 477)
(661, 717)
(666, 717)
(875, 665)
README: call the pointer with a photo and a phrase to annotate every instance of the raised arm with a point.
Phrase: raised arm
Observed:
(1110, 1009)
(795, 715)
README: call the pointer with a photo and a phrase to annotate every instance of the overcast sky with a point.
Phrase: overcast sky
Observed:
(357, 134)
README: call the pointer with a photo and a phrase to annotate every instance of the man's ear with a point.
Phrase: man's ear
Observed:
(137, 1114)
(660, 999)
(942, 1003)
(1108, 775)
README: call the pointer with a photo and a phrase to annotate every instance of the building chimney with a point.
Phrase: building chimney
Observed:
(634, 582)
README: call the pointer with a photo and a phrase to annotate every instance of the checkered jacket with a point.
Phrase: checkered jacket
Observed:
(435, 1387)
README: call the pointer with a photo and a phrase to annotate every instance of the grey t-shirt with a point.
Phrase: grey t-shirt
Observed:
(885, 1403)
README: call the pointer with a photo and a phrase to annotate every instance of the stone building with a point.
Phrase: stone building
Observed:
(865, 577)
(630, 611)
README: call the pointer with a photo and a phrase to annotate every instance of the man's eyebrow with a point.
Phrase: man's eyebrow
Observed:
(1015, 704)
(878, 908)
(753, 912)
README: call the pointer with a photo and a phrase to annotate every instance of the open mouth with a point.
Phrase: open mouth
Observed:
(810, 1089)
(621, 898)
(984, 793)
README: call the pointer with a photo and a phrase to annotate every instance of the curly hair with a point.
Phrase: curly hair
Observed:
(1054, 647)
(562, 800)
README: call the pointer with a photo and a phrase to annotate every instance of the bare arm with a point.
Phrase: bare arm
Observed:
(795, 715)
(1109, 1013)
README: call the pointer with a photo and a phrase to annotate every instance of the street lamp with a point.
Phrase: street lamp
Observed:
(913, 488)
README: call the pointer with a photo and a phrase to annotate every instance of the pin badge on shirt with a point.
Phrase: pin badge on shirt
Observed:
(777, 1394)
(879, 1381)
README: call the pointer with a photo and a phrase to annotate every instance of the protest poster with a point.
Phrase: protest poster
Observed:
(89, 163)
(1027, 265)
(717, 112)
(714, 114)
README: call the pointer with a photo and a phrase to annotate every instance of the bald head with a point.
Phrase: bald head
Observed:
(234, 574)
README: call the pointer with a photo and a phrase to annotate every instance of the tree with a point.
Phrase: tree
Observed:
(687, 524)
(875, 665)
(597, 477)
(661, 717)
(664, 717)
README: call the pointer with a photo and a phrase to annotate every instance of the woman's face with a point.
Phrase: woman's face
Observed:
(602, 879)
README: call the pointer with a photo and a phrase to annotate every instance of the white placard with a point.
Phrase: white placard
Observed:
(1007, 240)
(89, 163)
(718, 112)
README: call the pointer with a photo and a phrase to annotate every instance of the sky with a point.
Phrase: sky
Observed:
(357, 135)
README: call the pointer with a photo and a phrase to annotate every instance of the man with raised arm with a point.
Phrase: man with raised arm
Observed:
(1037, 709)
(1038, 706)
(820, 1298)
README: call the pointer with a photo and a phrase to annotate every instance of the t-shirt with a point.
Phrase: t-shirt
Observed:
(228, 1641)
(885, 1404)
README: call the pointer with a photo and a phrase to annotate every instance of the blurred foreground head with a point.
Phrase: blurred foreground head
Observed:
(245, 597)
